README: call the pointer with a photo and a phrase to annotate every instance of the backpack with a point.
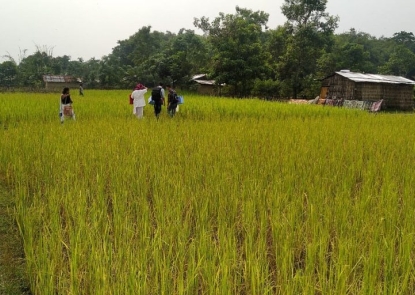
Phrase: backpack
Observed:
(156, 94)
(175, 97)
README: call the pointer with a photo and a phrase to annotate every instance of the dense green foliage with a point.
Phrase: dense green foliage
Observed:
(237, 50)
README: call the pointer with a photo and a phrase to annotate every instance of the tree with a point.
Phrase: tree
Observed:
(110, 73)
(60, 65)
(359, 51)
(400, 63)
(353, 57)
(33, 67)
(131, 57)
(311, 34)
(8, 74)
(186, 54)
(140, 46)
(276, 45)
(405, 38)
(308, 13)
(90, 74)
(239, 57)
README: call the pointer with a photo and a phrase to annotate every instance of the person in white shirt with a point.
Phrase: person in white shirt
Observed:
(139, 101)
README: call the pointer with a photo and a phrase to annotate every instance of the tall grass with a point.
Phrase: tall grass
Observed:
(228, 197)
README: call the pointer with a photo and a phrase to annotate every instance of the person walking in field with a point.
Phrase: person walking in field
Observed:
(172, 101)
(138, 100)
(157, 96)
(65, 103)
(81, 89)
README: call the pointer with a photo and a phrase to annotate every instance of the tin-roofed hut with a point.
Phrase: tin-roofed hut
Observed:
(57, 82)
(205, 86)
(395, 91)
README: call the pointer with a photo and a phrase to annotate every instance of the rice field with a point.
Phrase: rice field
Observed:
(228, 197)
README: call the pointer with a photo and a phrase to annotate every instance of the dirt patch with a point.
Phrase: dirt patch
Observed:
(13, 278)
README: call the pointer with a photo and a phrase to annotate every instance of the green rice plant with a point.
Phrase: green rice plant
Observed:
(228, 197)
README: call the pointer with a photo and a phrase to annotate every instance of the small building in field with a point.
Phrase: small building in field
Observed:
(203, 85)
(57, 83)
(395, 91)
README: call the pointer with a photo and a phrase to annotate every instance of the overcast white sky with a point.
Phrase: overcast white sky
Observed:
(91, 28)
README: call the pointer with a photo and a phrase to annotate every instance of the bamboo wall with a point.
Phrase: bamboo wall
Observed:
(339, 87)
(395, 96)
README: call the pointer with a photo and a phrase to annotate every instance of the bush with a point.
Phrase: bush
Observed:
(266, 89)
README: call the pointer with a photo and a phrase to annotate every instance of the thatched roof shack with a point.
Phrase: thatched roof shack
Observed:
(57, 83)
(395, 91)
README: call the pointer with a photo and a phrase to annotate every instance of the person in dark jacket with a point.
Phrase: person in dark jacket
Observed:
(157, 96)
(172, 101)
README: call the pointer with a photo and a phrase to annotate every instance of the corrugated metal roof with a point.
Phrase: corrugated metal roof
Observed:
(57, 79)
(373, 78)
(205, 82)
(198, 76)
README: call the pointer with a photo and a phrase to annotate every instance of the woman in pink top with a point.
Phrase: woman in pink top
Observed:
(139, 101)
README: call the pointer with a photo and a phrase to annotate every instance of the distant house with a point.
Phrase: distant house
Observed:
(203, 85)
(57, 83)
(395, 91)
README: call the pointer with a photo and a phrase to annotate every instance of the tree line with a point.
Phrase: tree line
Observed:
(236, 50)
